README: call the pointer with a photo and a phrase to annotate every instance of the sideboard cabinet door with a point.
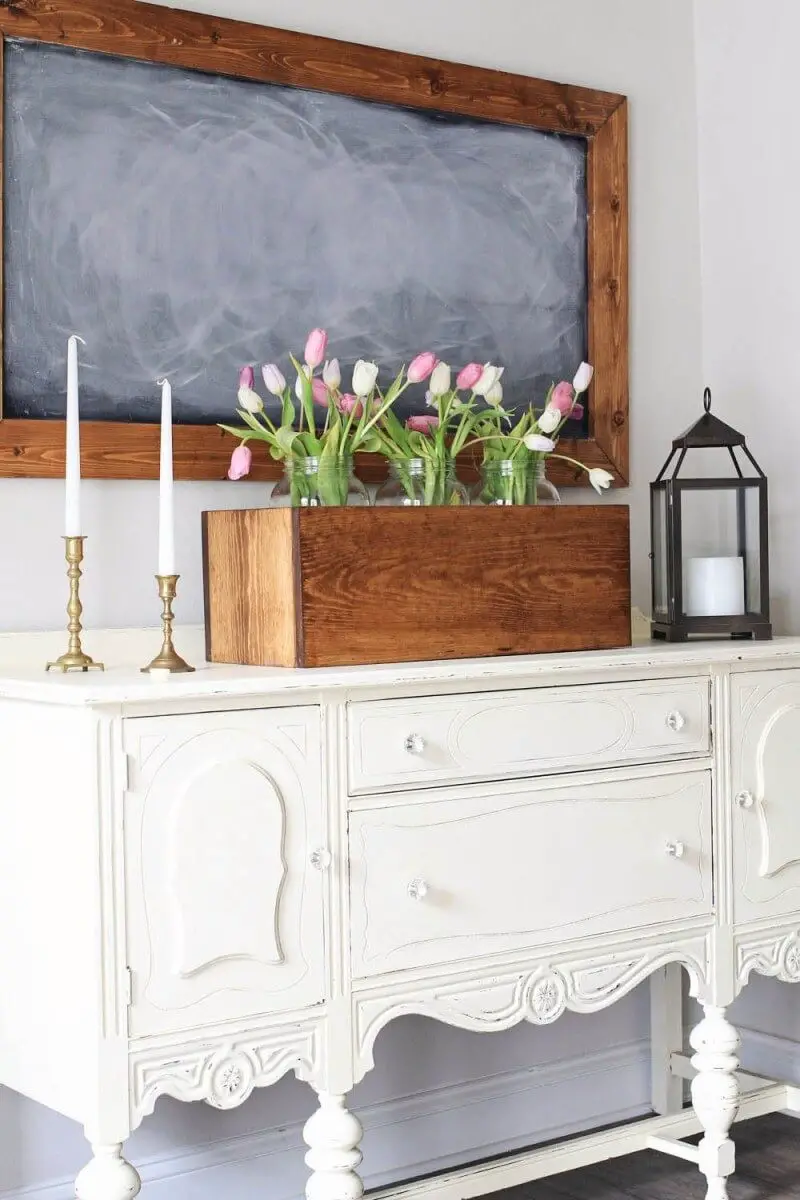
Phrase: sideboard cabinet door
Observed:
(765, 794)
(224, 836)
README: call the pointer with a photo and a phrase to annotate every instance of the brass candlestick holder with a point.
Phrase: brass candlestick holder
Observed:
(74, 659)
(167, 658)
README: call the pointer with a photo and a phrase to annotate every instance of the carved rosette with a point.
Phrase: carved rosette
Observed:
(231, 1079)
(546, 998)
(224, 1075)
(769, 955)
(790, 959)
(583, 983)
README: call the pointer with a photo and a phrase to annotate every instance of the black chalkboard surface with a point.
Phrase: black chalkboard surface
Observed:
(185, 224)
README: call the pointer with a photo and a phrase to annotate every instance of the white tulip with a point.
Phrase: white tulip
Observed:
(583, 377)
(273, 379)
(249, 400)
(440, 380)
(494, 396)
(535, 441)
(332, 375)
(430, 399)
(550, 420)
(491, 376)
(599, 478)
(365, 376)
(299, 387)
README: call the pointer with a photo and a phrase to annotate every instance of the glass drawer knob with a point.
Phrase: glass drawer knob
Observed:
(417, 889)
(320, 858)
(675, 721)
(676, 849)
(414, 743)
(744, 799)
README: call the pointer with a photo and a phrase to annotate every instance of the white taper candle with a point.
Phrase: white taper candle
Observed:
(166, 505)
(72, 514)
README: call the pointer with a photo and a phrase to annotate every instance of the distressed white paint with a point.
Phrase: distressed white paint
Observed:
(490, 934)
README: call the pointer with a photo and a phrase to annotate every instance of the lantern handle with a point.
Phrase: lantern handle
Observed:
(707, 400)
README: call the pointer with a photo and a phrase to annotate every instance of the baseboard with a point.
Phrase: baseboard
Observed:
(410, 1136)
(771, 1056)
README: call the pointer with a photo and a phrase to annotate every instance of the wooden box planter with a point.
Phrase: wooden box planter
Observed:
(322, 587)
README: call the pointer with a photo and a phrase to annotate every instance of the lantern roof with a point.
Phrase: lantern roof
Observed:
(708, 431)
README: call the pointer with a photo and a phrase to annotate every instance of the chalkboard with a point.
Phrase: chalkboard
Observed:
(184, 224)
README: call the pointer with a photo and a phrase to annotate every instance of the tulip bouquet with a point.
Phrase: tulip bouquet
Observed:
(319, 428)
(514, 458)
(318, 447)
(435, 439)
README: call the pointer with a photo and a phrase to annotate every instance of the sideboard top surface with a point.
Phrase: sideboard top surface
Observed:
(126, 685)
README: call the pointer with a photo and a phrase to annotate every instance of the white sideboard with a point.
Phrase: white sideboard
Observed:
(210, 880)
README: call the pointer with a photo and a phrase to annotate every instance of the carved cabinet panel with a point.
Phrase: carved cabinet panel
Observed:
(441, 880)
(765, 794)
(224, 836)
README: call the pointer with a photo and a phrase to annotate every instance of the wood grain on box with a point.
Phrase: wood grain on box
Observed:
(339, 586)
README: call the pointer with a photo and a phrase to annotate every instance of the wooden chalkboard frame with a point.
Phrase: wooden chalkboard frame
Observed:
(131, 29)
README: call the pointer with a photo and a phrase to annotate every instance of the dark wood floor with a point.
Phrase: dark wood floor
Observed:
(767, 1168)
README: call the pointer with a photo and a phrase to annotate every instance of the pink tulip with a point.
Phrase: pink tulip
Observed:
(320, 393)
(468, 376)
(316, 345)
(421, 367)
(247, 378)
(423, 424)
(562, 397)
(348, 403)
(577, 412)
(241, 462)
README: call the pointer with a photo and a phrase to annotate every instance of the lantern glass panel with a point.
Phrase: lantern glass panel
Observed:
(660, 568)
(712, 563)
(754, 601)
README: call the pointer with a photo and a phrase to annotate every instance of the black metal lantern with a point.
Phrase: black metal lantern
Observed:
(709, 542)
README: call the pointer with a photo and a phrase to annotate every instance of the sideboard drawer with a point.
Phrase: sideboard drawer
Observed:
(459, 878)
(447, 739)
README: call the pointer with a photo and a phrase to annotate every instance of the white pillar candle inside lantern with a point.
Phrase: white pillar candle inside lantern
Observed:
(714, 587)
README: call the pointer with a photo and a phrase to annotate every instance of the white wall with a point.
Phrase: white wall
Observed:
(750, 182)
(646, 51)
(643, 50)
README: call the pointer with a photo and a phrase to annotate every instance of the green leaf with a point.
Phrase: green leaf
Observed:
(309, 444)
(258, 429)
(287, 408)
(308, 394)
(286, 438)
(237, 431)
(330, 448)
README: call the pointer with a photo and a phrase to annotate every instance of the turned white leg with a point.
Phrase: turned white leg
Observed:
(715, 1096)
(332, 1134)
(107, 1176)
